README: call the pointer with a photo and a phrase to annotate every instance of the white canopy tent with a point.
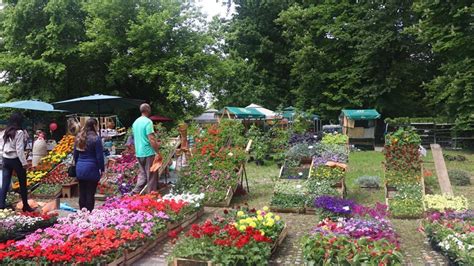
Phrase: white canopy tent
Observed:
(269, 114)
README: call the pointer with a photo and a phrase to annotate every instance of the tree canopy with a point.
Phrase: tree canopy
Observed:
(405, 58)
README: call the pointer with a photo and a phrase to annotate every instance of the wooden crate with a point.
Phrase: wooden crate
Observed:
(287, 210)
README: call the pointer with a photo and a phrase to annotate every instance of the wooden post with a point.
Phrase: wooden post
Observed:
(441, 170)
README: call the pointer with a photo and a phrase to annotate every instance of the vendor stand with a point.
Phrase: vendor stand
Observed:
(359, 125)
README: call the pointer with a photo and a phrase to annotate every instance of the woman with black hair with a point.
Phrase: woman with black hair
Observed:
(12, 144)
(89, 159)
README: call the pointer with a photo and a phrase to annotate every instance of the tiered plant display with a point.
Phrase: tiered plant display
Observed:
(15, 225)
(214, 168)
(239, 237)
(120, 177)
(351, 234)
(112, 233)
(326, 177)
(404, 186)
(51, 184)
(48, 163)
(452, 233)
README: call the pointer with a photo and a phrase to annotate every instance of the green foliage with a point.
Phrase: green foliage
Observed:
(459, 177)
(260, 142)
(368, 181)
(335, 139)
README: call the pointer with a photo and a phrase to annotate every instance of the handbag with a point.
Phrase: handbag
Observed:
(71, 171)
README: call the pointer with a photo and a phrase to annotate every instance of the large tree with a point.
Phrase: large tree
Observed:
(448, 27)
(40, 56)
(154, 50)
(254, 66)
(356, 55)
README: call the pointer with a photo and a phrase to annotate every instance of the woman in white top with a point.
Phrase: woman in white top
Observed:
(12, 142)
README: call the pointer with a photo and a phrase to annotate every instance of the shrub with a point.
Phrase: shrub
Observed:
(368, 181)
(459, 177)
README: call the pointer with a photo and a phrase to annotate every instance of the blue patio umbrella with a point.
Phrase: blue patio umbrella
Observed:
(29, 105)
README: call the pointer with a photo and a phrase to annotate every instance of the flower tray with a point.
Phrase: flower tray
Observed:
(226, 201)
(195, 262)
(287, 210)
(47, 196)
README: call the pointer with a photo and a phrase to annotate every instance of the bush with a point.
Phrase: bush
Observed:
(459, 177)
(368, 181)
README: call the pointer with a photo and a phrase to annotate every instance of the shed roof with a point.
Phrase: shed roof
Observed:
(361, 114)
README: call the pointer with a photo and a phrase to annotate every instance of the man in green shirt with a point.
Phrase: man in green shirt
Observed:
(146, 147)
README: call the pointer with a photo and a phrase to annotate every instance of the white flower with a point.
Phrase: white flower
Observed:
(298, 186)
(346, 208)
(230, 154)
(310, 147)
(210, 164)
(300, 173)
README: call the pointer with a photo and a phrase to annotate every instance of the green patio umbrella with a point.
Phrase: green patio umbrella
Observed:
(98, 104)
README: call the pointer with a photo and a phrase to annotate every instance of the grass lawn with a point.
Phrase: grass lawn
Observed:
(261, 180)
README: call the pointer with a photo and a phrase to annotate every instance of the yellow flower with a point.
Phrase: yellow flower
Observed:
(253, 224)
(277, 218)
(269, 215)
(265, 209)
(242, 227)
(262, 232)
(260, 217)
(270, 222)
(235, 225)
(259, 212)
(240, 213)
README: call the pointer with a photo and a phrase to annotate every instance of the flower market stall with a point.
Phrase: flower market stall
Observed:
(117, 233)
(241, 236)
(404, 182)
(16, 225)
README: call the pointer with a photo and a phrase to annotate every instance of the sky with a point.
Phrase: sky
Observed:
(213, 7)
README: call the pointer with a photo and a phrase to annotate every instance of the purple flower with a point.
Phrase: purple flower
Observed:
(335, 205)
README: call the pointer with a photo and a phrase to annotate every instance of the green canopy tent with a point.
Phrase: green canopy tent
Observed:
(359, 125)
(241, 113)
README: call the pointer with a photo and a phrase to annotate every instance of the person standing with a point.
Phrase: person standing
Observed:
(89, 160)
(146, 147)
(40, 149)
(12, 143)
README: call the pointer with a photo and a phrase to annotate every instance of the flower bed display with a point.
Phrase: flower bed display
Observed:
(104, 235)
(240, 237)
(445, 203)
(404, 184)
(365, 238)
(452, 233)
(289, 196)
(15, 225)
(214, 168)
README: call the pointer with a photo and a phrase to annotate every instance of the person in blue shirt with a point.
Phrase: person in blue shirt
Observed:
(89, 159)
(146, 147)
